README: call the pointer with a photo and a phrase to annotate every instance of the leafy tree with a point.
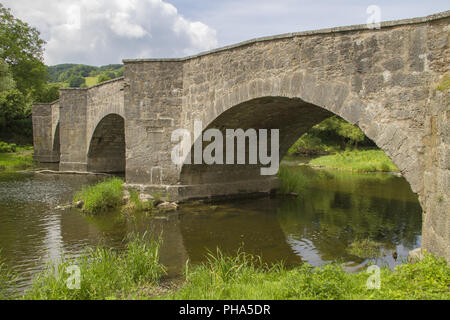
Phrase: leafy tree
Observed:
(103, 78)
(6, 79)
(22, 49)
(76, 81)
(49, 93)
(13, 105)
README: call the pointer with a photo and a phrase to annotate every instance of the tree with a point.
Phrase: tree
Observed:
(6, 79)
(13, 106)
(22, 49)
(103, 78)
(49, 93)
(76, 81)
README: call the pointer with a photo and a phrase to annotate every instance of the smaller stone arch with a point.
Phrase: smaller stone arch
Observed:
(107, 146)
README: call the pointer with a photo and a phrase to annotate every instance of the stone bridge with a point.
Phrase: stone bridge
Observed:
(383, 80)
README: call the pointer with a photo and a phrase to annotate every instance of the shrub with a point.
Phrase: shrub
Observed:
(7, 148)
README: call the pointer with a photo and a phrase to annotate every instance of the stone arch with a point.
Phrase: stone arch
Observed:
(106, 152)
(301, 100)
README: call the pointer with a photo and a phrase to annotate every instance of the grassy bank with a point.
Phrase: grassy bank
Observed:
(104, 274)
(245, 278)
(137, 273)
(15, 158)
(101, 197)
(360, 161)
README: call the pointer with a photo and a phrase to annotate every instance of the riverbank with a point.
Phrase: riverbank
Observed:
(20, 159)
(136, 273)
(358, 161)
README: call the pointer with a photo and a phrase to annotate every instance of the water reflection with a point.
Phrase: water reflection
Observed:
(334, 209)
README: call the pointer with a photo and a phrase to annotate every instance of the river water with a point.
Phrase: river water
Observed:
(334, 209)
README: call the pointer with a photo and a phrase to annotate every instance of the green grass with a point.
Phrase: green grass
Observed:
(21, 159)
(7, 280)
(360, 161)
(105, 274)
(91, 81)
(241, 278)
(136, 273)
(101, 197)
(291, 181)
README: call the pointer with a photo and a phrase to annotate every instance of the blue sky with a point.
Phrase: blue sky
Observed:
(100, 32)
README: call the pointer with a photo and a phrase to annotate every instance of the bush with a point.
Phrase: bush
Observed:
(7, 148)
(101, 197)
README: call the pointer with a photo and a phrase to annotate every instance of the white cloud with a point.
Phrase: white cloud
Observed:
(106, 31)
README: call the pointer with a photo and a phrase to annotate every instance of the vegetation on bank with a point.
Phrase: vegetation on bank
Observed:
(330, 136)
(359, 161)
(291, 182)
(7, 279)
(101, 197)
(14, 158)
(104, 274)
(243, 278)
(136, 273)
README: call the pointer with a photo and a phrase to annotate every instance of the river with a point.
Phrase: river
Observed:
(334, 209)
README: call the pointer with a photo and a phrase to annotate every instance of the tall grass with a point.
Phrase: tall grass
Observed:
(13, 158)
(102, 196)
(292, 181)
(227, 278)
(360, 161)
(7, 281)
(105, 274)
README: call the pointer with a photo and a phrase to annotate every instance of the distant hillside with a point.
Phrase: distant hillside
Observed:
(80, 75)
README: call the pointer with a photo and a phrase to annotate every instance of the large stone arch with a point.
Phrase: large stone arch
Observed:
(293, 103)
(106, 151)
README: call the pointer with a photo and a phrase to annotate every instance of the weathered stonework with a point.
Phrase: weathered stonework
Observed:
(382, 80)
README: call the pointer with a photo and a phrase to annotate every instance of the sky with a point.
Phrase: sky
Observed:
(100, 32)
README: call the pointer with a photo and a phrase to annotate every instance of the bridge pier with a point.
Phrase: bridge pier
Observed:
(73, 130)
(46, 149)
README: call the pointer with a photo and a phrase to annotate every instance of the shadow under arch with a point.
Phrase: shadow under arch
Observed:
(107, 146)
(292, 116)
(56, 143)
